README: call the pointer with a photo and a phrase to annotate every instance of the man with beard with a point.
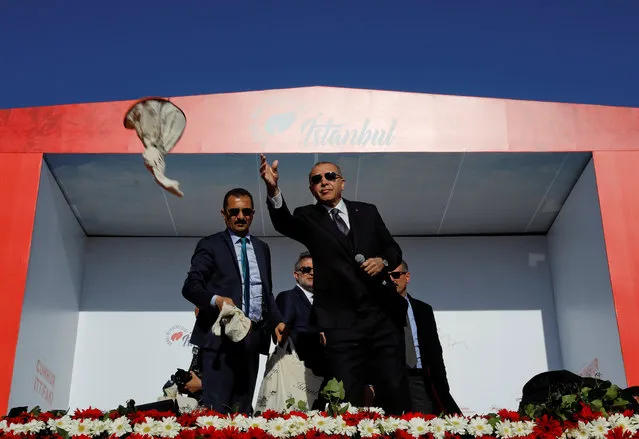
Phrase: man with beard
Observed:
(295, 307)
(355, 302)
(232, 267)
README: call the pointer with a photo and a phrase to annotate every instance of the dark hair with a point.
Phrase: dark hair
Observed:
(300, 258)
(339, 170)
(404, 266)
(237, 192)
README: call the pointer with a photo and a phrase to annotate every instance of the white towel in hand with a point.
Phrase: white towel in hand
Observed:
(236, 324)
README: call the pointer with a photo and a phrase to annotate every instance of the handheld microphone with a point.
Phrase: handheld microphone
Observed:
(360, 259)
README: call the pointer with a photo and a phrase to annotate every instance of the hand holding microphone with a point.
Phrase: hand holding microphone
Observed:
(372, 266)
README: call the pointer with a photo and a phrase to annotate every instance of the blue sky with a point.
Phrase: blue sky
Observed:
(54, 52)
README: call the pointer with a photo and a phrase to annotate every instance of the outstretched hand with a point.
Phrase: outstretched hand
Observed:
(270, 175)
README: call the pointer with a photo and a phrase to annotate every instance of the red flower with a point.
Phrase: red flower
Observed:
(403, 434)
(187, 419)
(257, 433)
(509, 415)
(586, 414)
(89, 413)
(618, 433)
(547, 428)
(187, 434)
(270, 414)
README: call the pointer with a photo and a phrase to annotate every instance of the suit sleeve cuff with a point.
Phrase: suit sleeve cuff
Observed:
(276, 201)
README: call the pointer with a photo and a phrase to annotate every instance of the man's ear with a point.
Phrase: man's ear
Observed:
(407, 277)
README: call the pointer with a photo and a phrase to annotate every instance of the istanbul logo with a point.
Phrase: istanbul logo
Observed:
(178, 335)
(277, 115)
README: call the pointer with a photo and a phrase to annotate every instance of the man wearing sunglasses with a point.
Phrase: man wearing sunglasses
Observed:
(232, 267)
(295, 307)
(428, 385)
(355, 302)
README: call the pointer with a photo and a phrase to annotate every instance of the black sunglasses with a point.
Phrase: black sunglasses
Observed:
(305, 270)
(329, 176)
(396, 274)
(235, 211)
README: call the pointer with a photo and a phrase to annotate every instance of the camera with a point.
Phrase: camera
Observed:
(181, 377)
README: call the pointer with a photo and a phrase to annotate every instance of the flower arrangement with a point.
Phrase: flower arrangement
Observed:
(293, 424)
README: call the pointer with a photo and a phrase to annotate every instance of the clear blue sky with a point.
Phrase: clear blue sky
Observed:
(64, 51)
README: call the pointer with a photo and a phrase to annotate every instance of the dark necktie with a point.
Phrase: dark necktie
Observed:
(339, 221)
(411, 354)
(246, 274)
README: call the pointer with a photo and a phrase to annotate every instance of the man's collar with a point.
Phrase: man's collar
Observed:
(303, 290)
(341, 206)
(235, 238)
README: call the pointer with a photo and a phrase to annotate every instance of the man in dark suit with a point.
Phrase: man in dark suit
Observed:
(355, 302)
(232, 267)
(295, 307)
(428, 384)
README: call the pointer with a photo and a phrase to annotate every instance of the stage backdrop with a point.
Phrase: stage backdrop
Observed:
(493, 298)
(581, 281)
(47, 338)
(134, 324)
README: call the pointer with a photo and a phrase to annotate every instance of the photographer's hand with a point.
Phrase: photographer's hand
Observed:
(195, 384)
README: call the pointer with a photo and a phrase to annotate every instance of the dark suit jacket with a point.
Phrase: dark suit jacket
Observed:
(296, 311)
(339, 283)
(214, 270)
(432, 357)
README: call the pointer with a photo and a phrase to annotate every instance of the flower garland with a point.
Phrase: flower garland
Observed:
(354, 423)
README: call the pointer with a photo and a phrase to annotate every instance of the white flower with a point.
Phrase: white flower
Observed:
(277, 427)
(255, 422)
(169, 427)
(341, 427)
(479, 427)
(63, 423)
(456, 424)
(77, 427)
(619, 420)
(505, 429)
(367, 428)
(323, 424)
(392, 424)
(438, 428)
(150, 427)
(119, 427)
(297, 425)
(598, 428)
(238, 421)
(3, 425)
(210, 421)
(417, 427)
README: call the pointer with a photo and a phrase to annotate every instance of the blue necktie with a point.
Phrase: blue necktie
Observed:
(246, 276)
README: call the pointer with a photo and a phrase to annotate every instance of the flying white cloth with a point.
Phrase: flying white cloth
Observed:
(159, 125)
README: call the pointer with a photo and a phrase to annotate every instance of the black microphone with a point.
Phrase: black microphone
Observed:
(360, 259)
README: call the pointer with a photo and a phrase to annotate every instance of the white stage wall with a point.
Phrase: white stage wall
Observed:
(47, 338)
(492, 296)
(581, 282)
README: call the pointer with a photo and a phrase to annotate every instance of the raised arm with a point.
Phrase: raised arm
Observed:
(283, 221)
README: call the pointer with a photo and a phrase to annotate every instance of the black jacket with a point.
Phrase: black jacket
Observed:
(215, 271)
